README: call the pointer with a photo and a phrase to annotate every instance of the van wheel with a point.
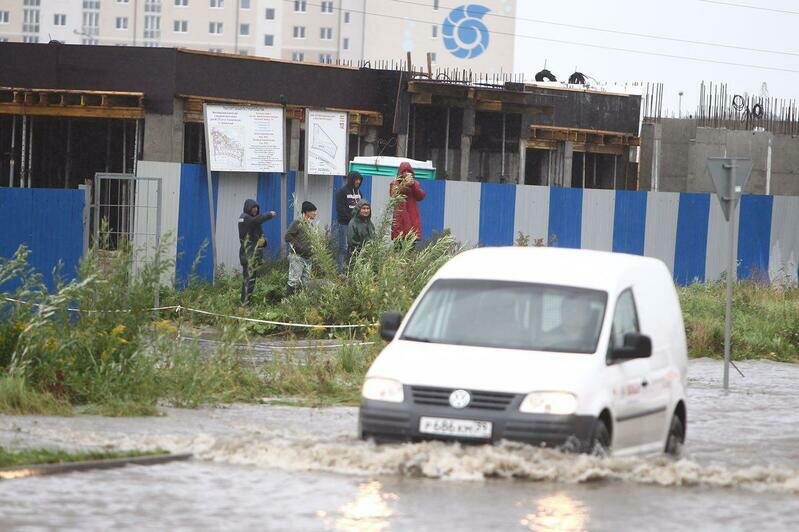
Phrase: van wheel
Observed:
(600, 441)
(676, 438)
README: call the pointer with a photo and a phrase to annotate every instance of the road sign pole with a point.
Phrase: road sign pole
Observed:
(729, 175)
(730, 276)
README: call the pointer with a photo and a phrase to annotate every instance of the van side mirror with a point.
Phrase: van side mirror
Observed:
(389, 324)
(635, 346)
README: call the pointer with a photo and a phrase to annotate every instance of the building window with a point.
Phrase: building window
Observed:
(30, 19)
(215, 27)
(297, 56)
(346, 17)
(270, 13)
(244, 4)
(435, 31)
(152, 6)
(244, 29)
(435, 5)
(91, 4)
(325, 59)
(216, 50)
(152, 26)
(181, 3)
(345, 43)
(181, 26)
(269, 40)
(3, 39)
(217, 3)
(299, 32)
(122, 1)
(433, 57)
(327, 7)
(59, 20)
(30, 38)
(4, 17)
(244, 52)
(32, 3)
(300, 6)
(325, 33)
(122, 23)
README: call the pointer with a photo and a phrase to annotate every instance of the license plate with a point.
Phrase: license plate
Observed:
(462, 428)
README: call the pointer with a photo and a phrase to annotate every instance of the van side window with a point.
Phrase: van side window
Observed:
(625, 318)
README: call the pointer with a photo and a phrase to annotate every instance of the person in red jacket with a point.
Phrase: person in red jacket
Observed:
(406, 213)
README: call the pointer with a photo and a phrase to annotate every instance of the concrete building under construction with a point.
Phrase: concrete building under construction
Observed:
(68, 111)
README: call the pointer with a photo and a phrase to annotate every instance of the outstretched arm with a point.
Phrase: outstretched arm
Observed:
(417, 191)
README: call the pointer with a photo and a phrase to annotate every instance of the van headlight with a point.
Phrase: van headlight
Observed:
(380, 389)
(559, 403)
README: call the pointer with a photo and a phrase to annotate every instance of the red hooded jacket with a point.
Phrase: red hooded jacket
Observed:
(406, 214)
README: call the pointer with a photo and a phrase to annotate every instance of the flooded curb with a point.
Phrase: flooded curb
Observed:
(88, 465)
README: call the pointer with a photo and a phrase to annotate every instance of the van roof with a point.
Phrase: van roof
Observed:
(598, 270)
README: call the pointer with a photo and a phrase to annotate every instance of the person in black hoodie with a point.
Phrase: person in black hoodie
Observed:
(347, 198)
(253, 243)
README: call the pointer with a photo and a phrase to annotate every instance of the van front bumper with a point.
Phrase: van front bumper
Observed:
(399, 422)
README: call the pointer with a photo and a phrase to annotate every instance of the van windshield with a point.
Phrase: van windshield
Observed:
(508, 315)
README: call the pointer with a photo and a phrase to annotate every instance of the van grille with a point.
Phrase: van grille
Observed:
(423, 395)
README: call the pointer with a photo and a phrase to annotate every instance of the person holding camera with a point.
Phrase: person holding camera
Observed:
(406, 212)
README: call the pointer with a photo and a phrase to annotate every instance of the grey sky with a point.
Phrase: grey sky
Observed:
(679, 19)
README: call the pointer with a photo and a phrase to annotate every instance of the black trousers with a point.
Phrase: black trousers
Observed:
(247, 285)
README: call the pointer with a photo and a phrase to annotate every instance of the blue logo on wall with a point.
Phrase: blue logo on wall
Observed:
(465, 34)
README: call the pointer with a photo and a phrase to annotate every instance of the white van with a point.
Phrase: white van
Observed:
(575, 349)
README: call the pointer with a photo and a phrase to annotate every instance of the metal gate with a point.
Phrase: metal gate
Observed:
(127, 211)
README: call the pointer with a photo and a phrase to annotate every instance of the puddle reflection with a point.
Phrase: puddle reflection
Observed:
(557, 512)
(371, 511)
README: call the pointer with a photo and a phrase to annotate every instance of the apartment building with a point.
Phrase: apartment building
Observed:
(456, 34)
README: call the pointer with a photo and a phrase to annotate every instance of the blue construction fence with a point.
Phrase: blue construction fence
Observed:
(49, 222)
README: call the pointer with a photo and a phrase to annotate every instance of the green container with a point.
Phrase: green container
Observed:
(390, 171)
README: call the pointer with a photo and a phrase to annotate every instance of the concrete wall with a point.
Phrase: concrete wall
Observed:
(676, 151)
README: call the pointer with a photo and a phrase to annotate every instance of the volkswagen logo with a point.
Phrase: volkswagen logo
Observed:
(464, 32)
(460, 399)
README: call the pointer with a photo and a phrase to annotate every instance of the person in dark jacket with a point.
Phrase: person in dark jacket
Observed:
(347, 198)
(360, 228)
(252, 245)
(300, 252)
(406, 213)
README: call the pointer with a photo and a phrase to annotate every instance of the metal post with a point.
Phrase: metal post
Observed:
(87, 198)
(211, 210)
(158, 215)
(503, 145)
(615, 169)
(730, 277)
(768, 168)
(136, 148)
(446, 147)
(13, 153)
(124, 147)
(68, 163)
(30, 158)
(585, 156)
(108, 146)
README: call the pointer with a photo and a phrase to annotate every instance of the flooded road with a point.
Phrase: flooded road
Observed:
(282, 468)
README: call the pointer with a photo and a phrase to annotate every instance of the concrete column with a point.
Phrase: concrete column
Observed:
(649, 166)
(369, 143)
(522, 161)
(565, 156)
(163, 135)
(294, 145)
(466, 142)
(402, 145)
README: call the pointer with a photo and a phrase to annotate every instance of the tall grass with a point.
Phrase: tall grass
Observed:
(765, 320)
(108, 352)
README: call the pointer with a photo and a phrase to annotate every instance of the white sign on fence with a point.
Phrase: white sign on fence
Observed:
(244, 138)
(326, 134)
